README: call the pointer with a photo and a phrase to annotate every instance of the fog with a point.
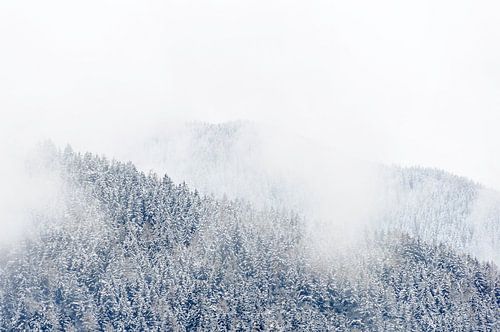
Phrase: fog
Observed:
(30, 192)
(268, 167)
(405, 83)
(386, 82)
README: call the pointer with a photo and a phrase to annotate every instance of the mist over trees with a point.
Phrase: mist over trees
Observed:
(136, 251)
(249, 165)
(270, 167)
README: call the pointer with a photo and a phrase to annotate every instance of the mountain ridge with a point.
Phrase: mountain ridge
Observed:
(157, 255)
(268, 167)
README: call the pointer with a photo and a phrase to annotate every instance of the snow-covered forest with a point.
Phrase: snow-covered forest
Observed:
(135, 251)
(250, 165)
(272, 168)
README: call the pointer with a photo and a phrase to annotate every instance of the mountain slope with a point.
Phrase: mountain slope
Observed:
(135, 252)
(269, 167)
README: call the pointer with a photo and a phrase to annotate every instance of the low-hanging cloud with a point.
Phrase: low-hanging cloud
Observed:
(30, 192)
(405, 83)
(338, 73)
(336, 195)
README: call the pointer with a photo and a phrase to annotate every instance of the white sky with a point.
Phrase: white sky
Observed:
(408, 82)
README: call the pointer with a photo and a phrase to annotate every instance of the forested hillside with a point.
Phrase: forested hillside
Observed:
(439, 207)
(130, 251)
(269, 167)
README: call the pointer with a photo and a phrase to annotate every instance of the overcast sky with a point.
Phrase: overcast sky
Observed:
(407, 82)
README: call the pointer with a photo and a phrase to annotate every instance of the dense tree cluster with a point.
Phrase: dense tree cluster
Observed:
(272, 168)
(131, 251)
(438, 207)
